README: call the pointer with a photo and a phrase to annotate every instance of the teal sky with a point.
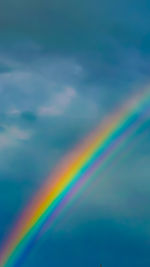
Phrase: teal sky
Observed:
(64, 67)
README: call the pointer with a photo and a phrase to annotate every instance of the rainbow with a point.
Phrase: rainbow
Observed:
(74, 171)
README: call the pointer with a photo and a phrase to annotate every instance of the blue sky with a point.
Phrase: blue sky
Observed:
(64, 66)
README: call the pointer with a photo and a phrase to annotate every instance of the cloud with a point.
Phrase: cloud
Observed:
(60, 102)
(12, 135)
(19, 133)
(28, 116)
(29, 87)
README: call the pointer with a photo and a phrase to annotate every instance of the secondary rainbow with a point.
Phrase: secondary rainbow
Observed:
(74, 171)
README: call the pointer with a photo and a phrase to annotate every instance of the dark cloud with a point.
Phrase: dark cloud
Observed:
(4, 69)
(28, 116)
(112, 243)
(67, 25)
(112, 46)
(2, 129)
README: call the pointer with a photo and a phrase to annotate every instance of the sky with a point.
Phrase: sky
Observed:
(64, 67)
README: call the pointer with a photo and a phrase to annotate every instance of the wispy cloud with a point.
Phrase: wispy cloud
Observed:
(12, 135)
(59, 102)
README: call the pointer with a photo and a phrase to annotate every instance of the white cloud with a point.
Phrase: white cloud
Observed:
(40, 85)
(12, 135)
(19, 133)
(14, 112)
(60, 102)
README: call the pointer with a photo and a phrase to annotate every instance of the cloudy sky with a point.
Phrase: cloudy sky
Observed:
(64, 66)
